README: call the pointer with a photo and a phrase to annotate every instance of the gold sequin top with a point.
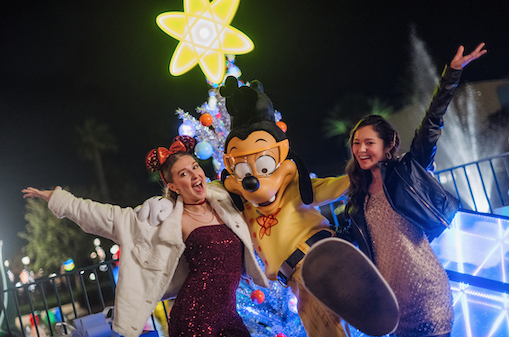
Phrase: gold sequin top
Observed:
(405, 259)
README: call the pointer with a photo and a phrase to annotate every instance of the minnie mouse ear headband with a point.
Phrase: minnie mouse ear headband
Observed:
(157, 157)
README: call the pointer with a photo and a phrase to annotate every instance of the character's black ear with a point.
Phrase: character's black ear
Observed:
(305, 187)
(237, 201)
(230, 87)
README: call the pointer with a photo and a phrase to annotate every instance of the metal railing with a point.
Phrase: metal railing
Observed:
(45, 299)
(481, 186)
(40, 305)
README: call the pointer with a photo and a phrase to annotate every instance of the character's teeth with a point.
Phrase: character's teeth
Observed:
(255, 205)
(273, 198)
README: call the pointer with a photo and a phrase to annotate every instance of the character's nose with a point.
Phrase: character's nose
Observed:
(250, 183)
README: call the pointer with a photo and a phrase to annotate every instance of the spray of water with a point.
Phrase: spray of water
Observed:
(464, 138)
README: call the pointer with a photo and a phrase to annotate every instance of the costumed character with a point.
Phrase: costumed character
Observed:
(270, 183)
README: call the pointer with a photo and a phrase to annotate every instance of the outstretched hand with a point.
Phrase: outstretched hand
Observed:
(154, 210)
(31, 192)
(460, 61)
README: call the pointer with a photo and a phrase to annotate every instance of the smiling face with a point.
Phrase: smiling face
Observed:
(368, 148)
(188, 178)
(259, 170)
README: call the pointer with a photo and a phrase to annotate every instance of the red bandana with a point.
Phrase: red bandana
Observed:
(267, 221)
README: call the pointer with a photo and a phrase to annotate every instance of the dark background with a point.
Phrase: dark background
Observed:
(64, 61)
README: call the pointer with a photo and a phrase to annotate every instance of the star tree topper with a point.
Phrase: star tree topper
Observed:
(205, 36)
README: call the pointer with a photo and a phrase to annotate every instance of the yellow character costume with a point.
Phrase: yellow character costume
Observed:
(330, 277)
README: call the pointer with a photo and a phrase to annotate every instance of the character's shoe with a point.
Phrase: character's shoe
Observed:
(347, 282)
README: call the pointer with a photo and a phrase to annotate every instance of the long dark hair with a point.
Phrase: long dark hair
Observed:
(361, 179)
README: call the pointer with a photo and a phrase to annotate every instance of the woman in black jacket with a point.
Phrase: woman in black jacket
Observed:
(395, 205)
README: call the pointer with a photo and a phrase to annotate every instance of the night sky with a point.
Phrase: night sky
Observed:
(64, 61)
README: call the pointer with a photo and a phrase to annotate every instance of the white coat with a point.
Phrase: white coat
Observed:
(152, 266)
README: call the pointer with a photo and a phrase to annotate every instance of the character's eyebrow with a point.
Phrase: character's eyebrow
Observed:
(261, 139)
(233, 148)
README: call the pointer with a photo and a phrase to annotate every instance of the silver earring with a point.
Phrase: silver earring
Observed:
(388, 155)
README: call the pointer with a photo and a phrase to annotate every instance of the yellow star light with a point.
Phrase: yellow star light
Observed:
(205, 36)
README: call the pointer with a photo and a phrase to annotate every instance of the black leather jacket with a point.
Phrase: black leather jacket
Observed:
(408, 185)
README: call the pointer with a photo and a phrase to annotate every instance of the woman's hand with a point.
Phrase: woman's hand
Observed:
(460, 61)
(31, 192)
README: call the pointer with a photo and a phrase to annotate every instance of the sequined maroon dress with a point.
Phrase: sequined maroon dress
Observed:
(205, 306)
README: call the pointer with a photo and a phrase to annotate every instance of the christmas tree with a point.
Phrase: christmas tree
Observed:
(212, 126)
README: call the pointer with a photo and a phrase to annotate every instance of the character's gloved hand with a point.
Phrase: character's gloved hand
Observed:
(155, 209)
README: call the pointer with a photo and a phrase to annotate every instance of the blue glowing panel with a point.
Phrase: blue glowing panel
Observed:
(477, 245)
(479, 312)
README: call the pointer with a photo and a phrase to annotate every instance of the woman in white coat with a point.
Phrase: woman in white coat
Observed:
(198, 252)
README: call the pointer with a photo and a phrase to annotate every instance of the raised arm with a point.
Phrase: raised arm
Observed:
(426, 136)
(109, 221)
(460, 61)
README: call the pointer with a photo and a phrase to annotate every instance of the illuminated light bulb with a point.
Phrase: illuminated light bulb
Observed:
(69, 265)
(25, 260)
(114, 249)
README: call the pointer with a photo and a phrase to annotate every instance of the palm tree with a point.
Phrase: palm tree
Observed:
(94, 140)
(52, 240)
(348, 110)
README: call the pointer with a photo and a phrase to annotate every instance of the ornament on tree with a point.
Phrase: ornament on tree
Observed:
(187, 129)
(280, 335)
(282, 126)
(206, 119)
(203, 150)
(258, 296)
(216, 164)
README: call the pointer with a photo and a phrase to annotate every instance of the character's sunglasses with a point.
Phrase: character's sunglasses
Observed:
(260, 162)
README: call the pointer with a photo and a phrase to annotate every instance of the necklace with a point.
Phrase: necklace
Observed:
(189, 211)
(200, 221)
(200, 203)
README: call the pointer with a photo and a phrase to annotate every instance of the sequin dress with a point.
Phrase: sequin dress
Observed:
(405, 259)
(206, 304)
